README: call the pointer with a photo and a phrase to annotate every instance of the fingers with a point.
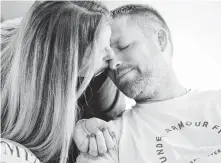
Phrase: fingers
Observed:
(93, 146)
(92, 125)
(101, 139)
(80, 138)
(101, 143)
(106, 125)
(83, 147)
(109, 135)
(114, 141)
(108, 139)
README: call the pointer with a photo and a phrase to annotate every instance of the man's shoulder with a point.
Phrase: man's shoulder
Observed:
(216, 93)
(205, 97)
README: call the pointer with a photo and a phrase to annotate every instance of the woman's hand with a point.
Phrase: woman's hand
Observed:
(94, 136)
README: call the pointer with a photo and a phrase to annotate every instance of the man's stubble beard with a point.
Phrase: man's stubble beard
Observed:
(136, 88)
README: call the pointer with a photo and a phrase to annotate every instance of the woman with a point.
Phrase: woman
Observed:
(55, 44)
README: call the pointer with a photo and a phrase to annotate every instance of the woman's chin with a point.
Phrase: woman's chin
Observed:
(98, 73)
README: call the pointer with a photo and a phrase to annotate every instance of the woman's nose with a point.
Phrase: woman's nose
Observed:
(109, 54)
(114, 63)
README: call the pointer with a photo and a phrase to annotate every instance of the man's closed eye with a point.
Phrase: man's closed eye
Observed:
(121, 48)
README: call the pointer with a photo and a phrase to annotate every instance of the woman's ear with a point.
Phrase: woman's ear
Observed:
(162, 39)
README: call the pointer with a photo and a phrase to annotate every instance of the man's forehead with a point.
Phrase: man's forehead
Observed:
(120, 29)
(119, 24)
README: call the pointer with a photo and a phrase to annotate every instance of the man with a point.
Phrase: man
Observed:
(169, 122)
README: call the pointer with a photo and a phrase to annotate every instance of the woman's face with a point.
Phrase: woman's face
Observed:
(104, 52)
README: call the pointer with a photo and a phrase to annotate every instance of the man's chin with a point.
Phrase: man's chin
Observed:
(129, 89)
(132, 89)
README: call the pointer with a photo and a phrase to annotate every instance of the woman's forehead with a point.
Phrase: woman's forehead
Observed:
(104, 33)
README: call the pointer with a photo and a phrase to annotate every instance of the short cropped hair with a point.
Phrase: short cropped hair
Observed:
(140, 10)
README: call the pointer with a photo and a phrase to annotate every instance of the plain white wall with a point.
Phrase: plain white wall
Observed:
(14, 9)
(196, 33)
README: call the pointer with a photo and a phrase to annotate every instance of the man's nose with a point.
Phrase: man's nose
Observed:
(114, 63)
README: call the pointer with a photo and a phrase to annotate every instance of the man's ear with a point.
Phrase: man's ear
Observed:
(162, 39)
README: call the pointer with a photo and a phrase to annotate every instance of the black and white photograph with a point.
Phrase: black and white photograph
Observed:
(130, 81)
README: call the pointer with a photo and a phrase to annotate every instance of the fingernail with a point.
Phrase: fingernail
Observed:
(112, 149)
(94, 153)
(113, 134)
(104, 129)
(92, 135)
(103, 152)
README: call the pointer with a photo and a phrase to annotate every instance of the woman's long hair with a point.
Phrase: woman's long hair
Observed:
(39, 74)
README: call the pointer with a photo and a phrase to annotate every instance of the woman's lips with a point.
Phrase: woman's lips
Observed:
(98, 73)
(101, 70)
